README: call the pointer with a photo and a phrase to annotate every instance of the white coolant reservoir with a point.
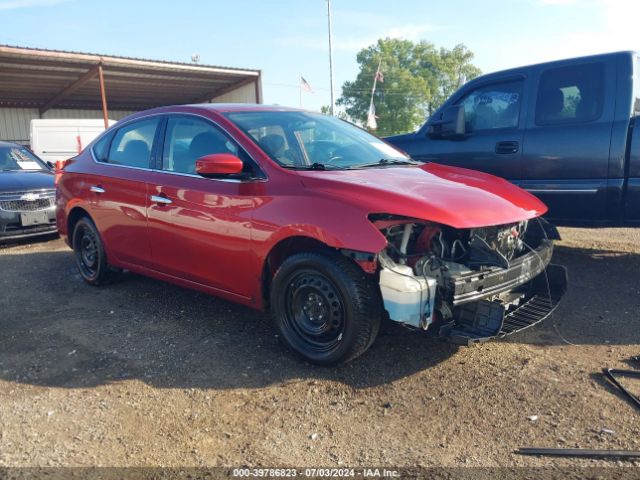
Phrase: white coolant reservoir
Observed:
(407, 298)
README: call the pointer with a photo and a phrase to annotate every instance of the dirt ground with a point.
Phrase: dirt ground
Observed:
(143, 373)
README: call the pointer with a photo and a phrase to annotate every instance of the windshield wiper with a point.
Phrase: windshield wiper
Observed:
(387, 161)
(313, 166)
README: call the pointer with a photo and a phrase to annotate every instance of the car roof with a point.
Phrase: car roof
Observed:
(244, 107)
(218, 108)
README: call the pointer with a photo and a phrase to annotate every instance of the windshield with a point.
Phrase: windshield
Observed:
(314, 141)
(17, 157)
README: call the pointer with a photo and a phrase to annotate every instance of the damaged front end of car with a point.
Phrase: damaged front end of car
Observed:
(468, 285)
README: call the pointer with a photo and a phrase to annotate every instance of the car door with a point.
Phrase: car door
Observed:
(567, 140)
(119, 189)
(201, 227)
(493, 135)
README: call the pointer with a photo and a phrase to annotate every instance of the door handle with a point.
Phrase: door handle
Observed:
(161, 199)
(507, 147)
(96, 189)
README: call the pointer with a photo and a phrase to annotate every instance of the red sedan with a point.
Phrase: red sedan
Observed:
(328, 227)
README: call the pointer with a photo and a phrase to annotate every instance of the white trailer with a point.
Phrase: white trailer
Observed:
(60, 139)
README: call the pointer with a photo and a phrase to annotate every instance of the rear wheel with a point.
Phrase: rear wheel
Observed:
(325, 307)
(91, 258)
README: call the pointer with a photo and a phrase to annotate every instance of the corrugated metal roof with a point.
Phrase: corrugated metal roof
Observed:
(122, 57)
(32, 77)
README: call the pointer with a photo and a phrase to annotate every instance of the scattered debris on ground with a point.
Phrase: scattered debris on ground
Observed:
(164, 376)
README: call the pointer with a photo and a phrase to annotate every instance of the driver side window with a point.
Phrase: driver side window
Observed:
(493, 106)
(187, 139)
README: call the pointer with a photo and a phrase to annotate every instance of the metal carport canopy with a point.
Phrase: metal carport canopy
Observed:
(45, 79)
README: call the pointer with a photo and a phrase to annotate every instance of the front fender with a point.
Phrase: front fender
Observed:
(335, 224)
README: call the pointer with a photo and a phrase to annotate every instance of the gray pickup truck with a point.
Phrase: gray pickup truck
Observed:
(562, 130)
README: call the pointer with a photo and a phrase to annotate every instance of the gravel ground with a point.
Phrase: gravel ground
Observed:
(142, 373)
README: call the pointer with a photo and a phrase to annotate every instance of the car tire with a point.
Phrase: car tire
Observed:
(325, 307)
(91, 258)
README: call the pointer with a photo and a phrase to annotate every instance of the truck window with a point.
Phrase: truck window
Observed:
(493, 106)
(636, 87)
(573, 94)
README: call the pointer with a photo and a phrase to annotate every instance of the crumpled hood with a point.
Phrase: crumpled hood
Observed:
(451, 196)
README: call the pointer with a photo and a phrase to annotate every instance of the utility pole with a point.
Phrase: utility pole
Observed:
(330, 59)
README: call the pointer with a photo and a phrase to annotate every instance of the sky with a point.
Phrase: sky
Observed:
(288, 38)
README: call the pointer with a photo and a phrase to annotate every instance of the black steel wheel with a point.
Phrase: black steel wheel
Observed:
(91, 258)
(315, 310)
(325, 307)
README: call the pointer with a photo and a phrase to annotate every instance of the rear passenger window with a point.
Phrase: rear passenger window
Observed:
(573, 94)
(101, 148)
(132, 144)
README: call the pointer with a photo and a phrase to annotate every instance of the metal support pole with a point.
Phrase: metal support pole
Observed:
(330, 59)
(103, 94)
(375, 82)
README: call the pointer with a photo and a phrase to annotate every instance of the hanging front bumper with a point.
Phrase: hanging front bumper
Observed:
(483, 320)
(479, 285)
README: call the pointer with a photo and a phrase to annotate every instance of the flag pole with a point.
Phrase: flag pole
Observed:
(300, 88)
(331, 109)
(375, 81)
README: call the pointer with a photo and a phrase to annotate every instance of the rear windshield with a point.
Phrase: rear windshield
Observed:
(17, 157)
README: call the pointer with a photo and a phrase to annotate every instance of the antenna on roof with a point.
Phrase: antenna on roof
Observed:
(195, 58)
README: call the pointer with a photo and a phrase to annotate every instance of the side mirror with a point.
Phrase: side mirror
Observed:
(217, 164)
(450, 125)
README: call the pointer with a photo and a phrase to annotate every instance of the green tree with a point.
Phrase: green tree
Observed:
(418, 77)
(326, 110)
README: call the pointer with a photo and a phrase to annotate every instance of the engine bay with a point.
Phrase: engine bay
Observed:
(415, 244)
(439, 267)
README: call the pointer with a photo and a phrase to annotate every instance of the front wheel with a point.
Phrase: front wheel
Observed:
(325, 307)
(91, 257)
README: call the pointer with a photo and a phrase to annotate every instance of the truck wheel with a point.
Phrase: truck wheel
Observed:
(91, 258)
(325, 307)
